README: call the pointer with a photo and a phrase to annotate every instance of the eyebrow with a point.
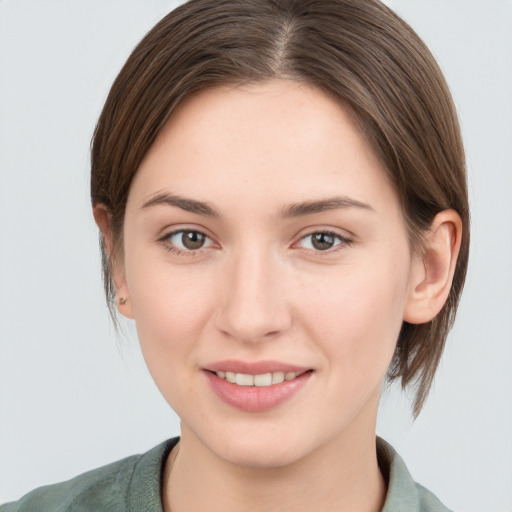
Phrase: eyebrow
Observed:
(189, 205)
(290, 211)
(323, 205)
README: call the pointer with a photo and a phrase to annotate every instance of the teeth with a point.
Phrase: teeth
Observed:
(243, 379)
(261, 380)
(277, 377)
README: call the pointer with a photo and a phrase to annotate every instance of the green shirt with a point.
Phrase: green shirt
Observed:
(133, 485)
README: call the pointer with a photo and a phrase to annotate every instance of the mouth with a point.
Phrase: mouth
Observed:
(256, 387)
(260, 379)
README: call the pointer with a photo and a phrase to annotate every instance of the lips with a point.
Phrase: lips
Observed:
(260, 380)
(256, 386)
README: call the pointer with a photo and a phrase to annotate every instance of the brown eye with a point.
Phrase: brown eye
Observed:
(187, 240)
(323, 241)
(192, 240)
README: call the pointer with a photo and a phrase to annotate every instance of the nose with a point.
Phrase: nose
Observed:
(254, 306)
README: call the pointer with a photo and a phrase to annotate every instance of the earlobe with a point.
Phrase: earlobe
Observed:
(432, 273)
(103, 220)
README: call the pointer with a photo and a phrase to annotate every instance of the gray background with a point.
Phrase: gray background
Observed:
(72, 397)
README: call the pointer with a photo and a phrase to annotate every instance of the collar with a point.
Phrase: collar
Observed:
(403, 494)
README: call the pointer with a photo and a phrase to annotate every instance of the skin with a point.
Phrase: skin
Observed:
(259, 289)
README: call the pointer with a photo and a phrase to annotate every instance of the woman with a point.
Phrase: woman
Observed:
(281, 196)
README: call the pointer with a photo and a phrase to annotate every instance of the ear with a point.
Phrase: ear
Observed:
(432, 272)
(102, 216)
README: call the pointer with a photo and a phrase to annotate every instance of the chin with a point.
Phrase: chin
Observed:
(261, 454)
(253, 446)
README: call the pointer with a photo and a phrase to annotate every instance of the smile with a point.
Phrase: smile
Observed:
(256, 387)
(260, 380)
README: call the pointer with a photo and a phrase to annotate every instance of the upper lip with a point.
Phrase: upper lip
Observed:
(254, 367)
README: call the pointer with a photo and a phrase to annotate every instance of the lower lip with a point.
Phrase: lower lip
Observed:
(256, 398)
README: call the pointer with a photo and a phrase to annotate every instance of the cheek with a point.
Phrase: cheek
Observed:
(356, 316)
(170, 314)
(170, 306)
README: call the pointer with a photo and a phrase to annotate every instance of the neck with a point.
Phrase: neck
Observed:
(341, 475)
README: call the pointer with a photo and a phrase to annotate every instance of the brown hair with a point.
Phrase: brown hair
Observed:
(358, 51)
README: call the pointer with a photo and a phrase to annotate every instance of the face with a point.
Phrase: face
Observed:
(262, 239)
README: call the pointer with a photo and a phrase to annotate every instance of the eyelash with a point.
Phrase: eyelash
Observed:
(343, 242)
(165, 241)
(169, 246)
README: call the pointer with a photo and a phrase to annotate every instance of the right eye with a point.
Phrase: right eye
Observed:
(186, 241)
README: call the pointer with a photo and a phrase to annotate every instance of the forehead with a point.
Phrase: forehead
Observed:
(284, 111)
(278, 136)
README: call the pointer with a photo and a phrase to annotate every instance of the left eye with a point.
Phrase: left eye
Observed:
(322, 241)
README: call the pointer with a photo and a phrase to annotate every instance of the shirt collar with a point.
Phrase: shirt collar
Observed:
(402, 495)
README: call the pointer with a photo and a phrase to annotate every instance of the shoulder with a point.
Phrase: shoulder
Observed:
(429, 502)
(404, 494)
(64, 496)
(114, 487)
